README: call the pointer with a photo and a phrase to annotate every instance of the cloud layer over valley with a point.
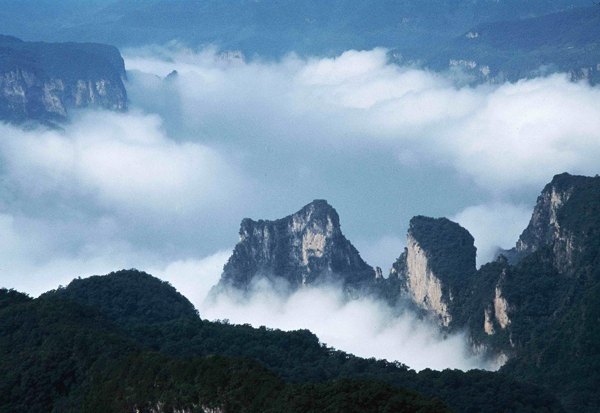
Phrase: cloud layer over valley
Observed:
(502, 137)
(364, 327)
(164, 186)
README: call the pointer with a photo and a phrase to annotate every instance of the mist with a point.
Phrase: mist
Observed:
(494, 226)
(163, 187)
(360, 100)
(364, 327)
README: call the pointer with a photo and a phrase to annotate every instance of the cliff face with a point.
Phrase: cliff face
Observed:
(540, 315)
(504, 297)
(543, 228)
(438, 263)
(42, 81)
(304, 248)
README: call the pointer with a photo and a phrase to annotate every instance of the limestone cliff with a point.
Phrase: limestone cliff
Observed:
(496, 313)
(437, 265)
(42, 81)
(543, 228)
(304, 248)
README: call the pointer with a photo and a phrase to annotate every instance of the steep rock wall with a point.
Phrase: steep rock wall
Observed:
(42, 81)
(543, 228)
(437, 266)
(422, 284)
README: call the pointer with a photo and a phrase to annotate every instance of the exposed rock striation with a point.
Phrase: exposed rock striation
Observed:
(301, 249)
(436, 266)
(42, 81)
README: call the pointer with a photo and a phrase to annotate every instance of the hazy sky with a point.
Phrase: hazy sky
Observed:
(163, 187)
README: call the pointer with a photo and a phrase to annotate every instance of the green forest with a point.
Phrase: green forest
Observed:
(128, 341)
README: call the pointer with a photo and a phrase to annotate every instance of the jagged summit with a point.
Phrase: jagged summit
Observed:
(302, 248)
(318, 213)
(543, 227)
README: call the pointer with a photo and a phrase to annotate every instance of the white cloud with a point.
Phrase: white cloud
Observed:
(363, 327)
(164, 185)
(194, 277)
(504, 137)
(121, 161)
(110, 191)
(496, 225)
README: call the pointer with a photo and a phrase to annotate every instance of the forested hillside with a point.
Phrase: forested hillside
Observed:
(72, 354)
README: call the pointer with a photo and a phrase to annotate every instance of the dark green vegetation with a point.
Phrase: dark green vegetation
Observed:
(41, 81)
(49, 351)
(86, 347)
(11, 297)
(450, 248)
(552, 296)
(238, 385)
(112, 294)
(561, 349)
(540, 308)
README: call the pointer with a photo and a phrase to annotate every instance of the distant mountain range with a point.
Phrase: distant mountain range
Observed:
(536, 36)
(489, 41)
(567, 41)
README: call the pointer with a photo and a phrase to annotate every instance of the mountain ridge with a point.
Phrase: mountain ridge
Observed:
(536, 312)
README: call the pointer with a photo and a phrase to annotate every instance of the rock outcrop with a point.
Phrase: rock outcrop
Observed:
(305, 248)
(42, 81)
(436, 266)
(543, 228)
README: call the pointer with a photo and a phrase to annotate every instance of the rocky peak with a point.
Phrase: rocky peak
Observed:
(543, 227)
(437, 265)
(302, 248)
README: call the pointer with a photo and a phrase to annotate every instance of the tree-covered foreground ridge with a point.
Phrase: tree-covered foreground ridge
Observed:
(129, 342)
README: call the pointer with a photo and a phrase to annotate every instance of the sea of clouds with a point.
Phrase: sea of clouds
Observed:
(164, 186)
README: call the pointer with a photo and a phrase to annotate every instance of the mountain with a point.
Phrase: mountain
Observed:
(538, 311)
(42, 81)
(304, 248)
(102, 340)
(543, 228)
(488, 40)
(269, 28)
(59, 355)
(152, 301)
(437, 273)
(562, 42)
(69, 350)
(50, 351)
(553, 298)
(436, 266)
